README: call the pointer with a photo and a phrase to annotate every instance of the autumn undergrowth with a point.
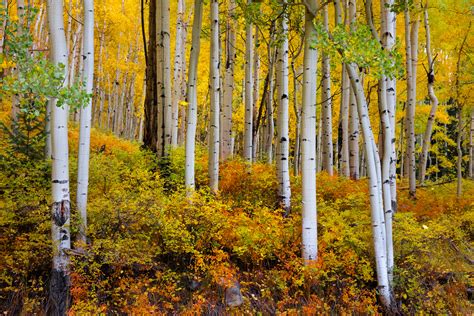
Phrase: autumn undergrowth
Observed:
(151, 250)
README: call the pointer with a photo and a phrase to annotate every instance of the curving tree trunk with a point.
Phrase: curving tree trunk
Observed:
(375, 190)
(59, 281)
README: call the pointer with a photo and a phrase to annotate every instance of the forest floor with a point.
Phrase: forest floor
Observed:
(151, 251)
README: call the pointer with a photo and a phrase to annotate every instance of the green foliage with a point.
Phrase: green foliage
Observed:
(30, 79)
(359, 47)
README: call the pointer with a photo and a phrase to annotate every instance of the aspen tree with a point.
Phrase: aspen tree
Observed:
(353, 114)
(374, 188)
(85, 121)
(59, 282)
(283, 118)
(387, 146)
(432, 96)
(191, 98)
(215, 99)
(344, 167)
(411, 46)
(389, 23)
(308, 139)
(249, 63)
(179, 79)
(326, 113)
(167, 122)
(228, 84)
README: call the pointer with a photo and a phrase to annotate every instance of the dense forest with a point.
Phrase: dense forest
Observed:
(294, 157)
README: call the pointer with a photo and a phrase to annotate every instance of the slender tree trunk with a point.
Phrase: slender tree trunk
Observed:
(256, 94)
(326, 113)
(344, 164)
(471, 147)
(308, 140)
(59, 281)
(283, 119)
(85, 125)
(178, 71)
(150, 130)
(353, 137)
(215, 98)
(228, 86)
(269, 112)
(375, 189)
(192, 98)
(433, 99)
(249, 63)
(459, 152)
(167, 122)
(388, 41)
(353, 113)
(411, 40)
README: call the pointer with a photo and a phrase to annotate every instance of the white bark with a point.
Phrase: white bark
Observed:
(192, 98)
(60, 170)
(389, 23)
(228, 85)
(411, 43)
(215, 99)
(308, 140)
(353, 112)
(326, 113)
(166, 82)
(433, 99)
(283, 119)
(344, 118)
(86, 113)
(179, 70)
(249, 63)
(374, 188)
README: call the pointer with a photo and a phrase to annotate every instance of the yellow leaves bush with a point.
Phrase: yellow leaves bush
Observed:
(151, 250)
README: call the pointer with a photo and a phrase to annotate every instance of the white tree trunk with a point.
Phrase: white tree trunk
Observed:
(85, 120)
(59, 284)
(354, 165)
(308, 141)
(215, 99)
(374, 188)
(283, 119)
(228, 85)
(326, 113)
(249, 63)
(344, 118)
(167, 122)
(411, 43)
(192, 98)
(388, 41)
(433, 99)
(178, 71)
(353, 137)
